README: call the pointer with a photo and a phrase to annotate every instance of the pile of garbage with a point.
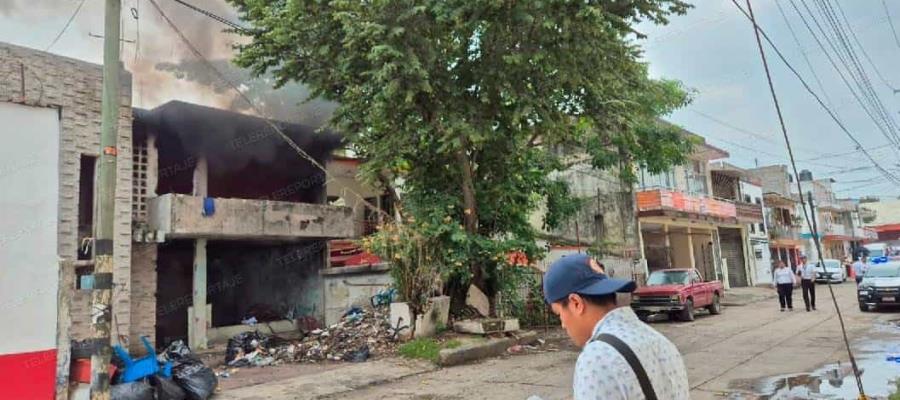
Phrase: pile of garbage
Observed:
(176, 374)
(360, 334)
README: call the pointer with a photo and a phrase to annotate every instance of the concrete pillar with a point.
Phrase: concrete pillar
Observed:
(690, 243)
(199, 318)
(201, 178)
(152, 166)
(668, 245)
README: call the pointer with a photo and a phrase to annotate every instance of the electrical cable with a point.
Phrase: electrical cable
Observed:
(822, 104)
(211, 15)
(862, 96)
(66, 26)
(890, 22)
(810, 224)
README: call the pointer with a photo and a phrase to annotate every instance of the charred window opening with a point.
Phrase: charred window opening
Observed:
(86, 205)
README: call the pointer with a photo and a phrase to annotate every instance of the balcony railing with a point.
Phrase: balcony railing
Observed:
(784, 232)
(749, 212)
(668, 200)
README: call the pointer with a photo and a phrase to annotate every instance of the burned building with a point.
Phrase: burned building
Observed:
(229, 214)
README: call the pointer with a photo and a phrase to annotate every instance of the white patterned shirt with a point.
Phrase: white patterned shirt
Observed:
(601, 373)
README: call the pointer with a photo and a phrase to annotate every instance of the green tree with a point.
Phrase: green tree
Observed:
(466, 102)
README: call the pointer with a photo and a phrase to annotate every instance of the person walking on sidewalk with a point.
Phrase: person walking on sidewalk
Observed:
(621, 357)
(859, 269)
(807, 275)
(784, 282)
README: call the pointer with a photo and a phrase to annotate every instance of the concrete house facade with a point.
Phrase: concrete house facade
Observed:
(689, 219)
(50, 142)
(233, 218)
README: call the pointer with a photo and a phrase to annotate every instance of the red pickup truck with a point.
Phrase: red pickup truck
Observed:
(678, 293)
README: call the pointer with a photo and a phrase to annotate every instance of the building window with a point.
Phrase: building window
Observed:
(86, 206)
(758, 201)
(599, 227)
(747, 198)
(752, 228)
(762, 227)
(139, 185)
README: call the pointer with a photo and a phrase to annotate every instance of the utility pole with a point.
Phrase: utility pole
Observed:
(101, 294)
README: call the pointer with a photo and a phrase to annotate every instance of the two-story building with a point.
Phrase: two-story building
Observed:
(738, 186)
(781, 213)
(684, 225)
(230, 222)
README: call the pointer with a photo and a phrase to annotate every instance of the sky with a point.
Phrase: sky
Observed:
(711, 50)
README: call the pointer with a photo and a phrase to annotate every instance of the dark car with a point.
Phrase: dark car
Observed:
(880, 286)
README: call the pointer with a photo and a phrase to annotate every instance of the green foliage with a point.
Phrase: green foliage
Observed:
(521, 296)
(414, 259)
(451, 97)
(426, 348)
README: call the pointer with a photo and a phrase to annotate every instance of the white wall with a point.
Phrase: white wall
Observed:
(759, 258)
(29, 266)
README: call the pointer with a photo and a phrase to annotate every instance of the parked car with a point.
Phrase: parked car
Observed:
(678, 293)
(880, 286)
(832, 270)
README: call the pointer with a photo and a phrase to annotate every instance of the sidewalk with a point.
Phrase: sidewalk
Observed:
(331, 381)
(737, 297)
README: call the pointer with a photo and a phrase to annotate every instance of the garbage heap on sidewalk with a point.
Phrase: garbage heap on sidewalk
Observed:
(361, 333)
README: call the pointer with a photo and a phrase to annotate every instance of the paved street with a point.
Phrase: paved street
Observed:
(728, 356)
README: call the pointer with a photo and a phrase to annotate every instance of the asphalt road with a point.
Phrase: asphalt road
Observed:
(734, 355)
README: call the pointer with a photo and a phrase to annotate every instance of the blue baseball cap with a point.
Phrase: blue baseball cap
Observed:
(579, 273)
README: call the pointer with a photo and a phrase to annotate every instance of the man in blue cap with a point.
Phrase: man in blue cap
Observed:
(621, 357)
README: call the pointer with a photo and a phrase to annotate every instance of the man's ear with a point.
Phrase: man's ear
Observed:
(576, 303)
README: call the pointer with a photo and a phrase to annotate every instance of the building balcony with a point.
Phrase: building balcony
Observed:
(749, 212)
(184, 216)
(664, 202)
(785, 235)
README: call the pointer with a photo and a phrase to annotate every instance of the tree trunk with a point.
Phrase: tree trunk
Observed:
(470, 215)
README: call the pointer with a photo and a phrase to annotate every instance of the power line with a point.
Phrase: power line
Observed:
(891, 22)
(213, 16)
(811, 225)
(66, 26)
(827, 10)
(863, 49)
(803, 53)
(757, 135)
(290, 142)
(878, 123)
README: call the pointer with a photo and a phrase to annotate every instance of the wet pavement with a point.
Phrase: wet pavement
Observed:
(878, 360)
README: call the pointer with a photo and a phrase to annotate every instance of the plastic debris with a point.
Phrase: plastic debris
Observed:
(196, 379)
(250, 321)
(384, 297)
(167, 389)
(137, 390)
(361, 333)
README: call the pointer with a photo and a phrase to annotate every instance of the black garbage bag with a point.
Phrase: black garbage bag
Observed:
(244, 342)
(167, 389)
(360, 355)
(137, 390)
(196, 379)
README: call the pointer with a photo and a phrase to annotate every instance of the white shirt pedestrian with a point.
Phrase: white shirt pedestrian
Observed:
(601, 372)
(808, 271)
(783, 276)
(860, 268)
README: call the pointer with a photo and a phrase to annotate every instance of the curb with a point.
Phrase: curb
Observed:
(481, 350)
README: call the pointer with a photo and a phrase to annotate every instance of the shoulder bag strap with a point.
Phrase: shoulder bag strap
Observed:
(633, 362)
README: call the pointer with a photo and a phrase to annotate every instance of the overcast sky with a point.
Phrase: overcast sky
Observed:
(711, 50)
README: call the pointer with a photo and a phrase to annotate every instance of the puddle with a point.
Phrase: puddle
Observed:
(833, 381)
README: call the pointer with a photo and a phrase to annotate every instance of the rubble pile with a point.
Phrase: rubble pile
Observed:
(360, 334)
